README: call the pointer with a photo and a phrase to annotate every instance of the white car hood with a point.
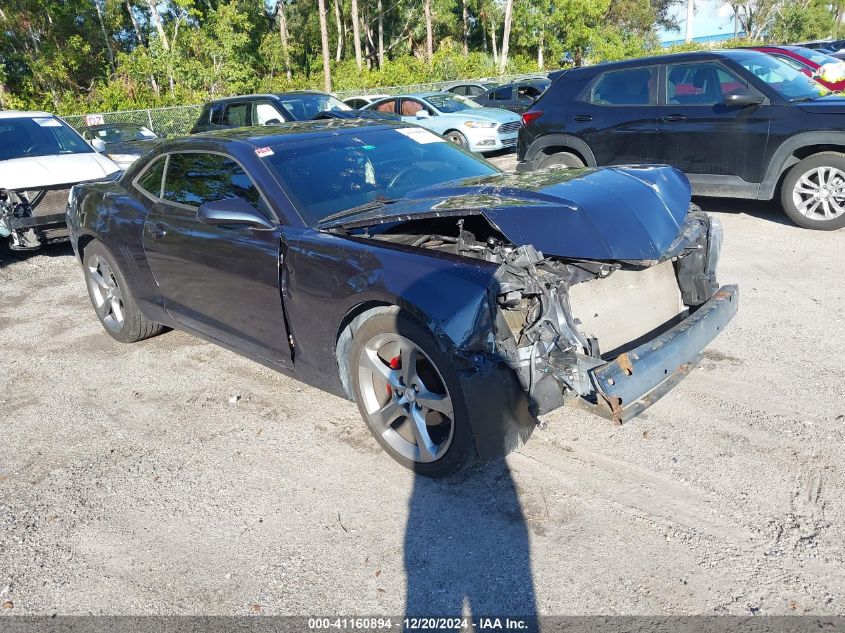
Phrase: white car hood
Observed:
(34, 172)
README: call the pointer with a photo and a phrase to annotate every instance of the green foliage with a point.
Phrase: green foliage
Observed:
(57, 54)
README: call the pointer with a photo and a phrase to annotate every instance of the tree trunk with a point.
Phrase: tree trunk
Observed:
(465, 15)
(380, 9)
(429, 33)
(109, 51)
(137, 29)
(356, 34)
(283, 36)
(157, 21)
(341, 31)
(690, 17)
(493, 41)
(324, 41)
(540, 47)
(506, 36)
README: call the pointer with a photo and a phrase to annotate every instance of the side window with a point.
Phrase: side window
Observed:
(528, 92)
(356, 104)
(632, 86)
(265, 113)
(502, 94)
(196, 178)
(150, 180)
(215, 114)
(235, 115)
(701, 84)
(410, 107)
(387, 106)
(474, 91)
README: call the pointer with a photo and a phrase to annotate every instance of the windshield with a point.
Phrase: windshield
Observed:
(306, 106)
(326, 175)
(817, 57)
(448, 103)
(123, 133)
(789, 82)
(38, 136)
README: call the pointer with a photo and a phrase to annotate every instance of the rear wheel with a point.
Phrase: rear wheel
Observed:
(813, 192)
(409, 395)
(564, 160)
(112, 297)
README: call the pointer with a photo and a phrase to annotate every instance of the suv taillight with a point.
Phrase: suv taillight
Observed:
(528, 117)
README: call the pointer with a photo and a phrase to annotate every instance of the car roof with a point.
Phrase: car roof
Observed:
(265, 135)
(23, 114)
(670, 58)
(266, 95)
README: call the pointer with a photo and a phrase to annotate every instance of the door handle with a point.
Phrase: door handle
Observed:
(673, 118)
(159, 231)
(583, 118)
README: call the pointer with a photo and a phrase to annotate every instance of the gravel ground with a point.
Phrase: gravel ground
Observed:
(133, 480)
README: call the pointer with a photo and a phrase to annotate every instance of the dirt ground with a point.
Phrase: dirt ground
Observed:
(172, 476)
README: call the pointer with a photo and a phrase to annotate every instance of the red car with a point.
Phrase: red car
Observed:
(807, 60)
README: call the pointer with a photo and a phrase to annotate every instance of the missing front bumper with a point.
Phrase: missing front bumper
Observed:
(635, 380)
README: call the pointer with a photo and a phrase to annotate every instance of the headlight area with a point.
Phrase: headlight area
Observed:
(484, 125)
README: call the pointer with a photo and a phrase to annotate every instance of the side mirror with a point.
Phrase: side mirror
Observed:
(232, 211)
(98, 145)
(423, 114)
(743, 100)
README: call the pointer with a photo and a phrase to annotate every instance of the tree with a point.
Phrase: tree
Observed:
(356, 34)
(506, 36)
(429, 32)
(324, 41)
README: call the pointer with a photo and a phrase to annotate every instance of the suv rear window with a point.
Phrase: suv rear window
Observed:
(631, 86)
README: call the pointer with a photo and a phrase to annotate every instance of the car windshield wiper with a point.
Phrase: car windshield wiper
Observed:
(376, 203)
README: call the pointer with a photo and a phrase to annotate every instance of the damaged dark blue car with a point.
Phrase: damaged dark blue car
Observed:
(452, 302)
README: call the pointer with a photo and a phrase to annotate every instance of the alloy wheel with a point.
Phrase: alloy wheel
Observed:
(819, 194)
(405, 397)
(106, 293)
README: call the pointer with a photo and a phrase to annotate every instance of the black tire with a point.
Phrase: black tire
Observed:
(133, 326)
(460, 453)
(790, 198)
(457, 138)
(565, 160)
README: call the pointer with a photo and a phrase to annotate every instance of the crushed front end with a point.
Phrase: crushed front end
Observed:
(31, 218)
(610, 336)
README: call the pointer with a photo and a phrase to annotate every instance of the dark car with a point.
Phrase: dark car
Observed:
(471, 88)
(516, 97)
(125, 142)
(454, 303)
(265, 109)
(830, 45)
(739, 123)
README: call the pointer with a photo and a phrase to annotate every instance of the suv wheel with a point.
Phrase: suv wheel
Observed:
(813, 192)
(564, 160)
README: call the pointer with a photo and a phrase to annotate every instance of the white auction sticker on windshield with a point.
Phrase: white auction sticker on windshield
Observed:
(420, 135)
(261, 152)
(48, 122)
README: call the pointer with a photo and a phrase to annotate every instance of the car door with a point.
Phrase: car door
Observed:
(408, 109)
(616, 115)
(709, 140)
(220, 280)
(502, 97)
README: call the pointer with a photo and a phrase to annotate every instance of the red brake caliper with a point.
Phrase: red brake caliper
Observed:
(395, 363)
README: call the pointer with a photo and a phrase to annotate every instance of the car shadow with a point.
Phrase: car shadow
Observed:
(769, 210)
(8, 256)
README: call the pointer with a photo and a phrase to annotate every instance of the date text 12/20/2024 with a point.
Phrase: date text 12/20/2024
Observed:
(419, 624)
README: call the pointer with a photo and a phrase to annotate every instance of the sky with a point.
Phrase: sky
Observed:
(712, 17)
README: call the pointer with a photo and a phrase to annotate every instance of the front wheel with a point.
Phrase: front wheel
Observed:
(410, 396)
(813, 192)
(561, 160)
(112, 297)
(457, 138)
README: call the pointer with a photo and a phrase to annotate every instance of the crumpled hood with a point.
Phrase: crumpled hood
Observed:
(611, 213)
(35, 172)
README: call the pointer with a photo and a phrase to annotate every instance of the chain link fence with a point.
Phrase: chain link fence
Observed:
(174, 121)
(178, 120)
